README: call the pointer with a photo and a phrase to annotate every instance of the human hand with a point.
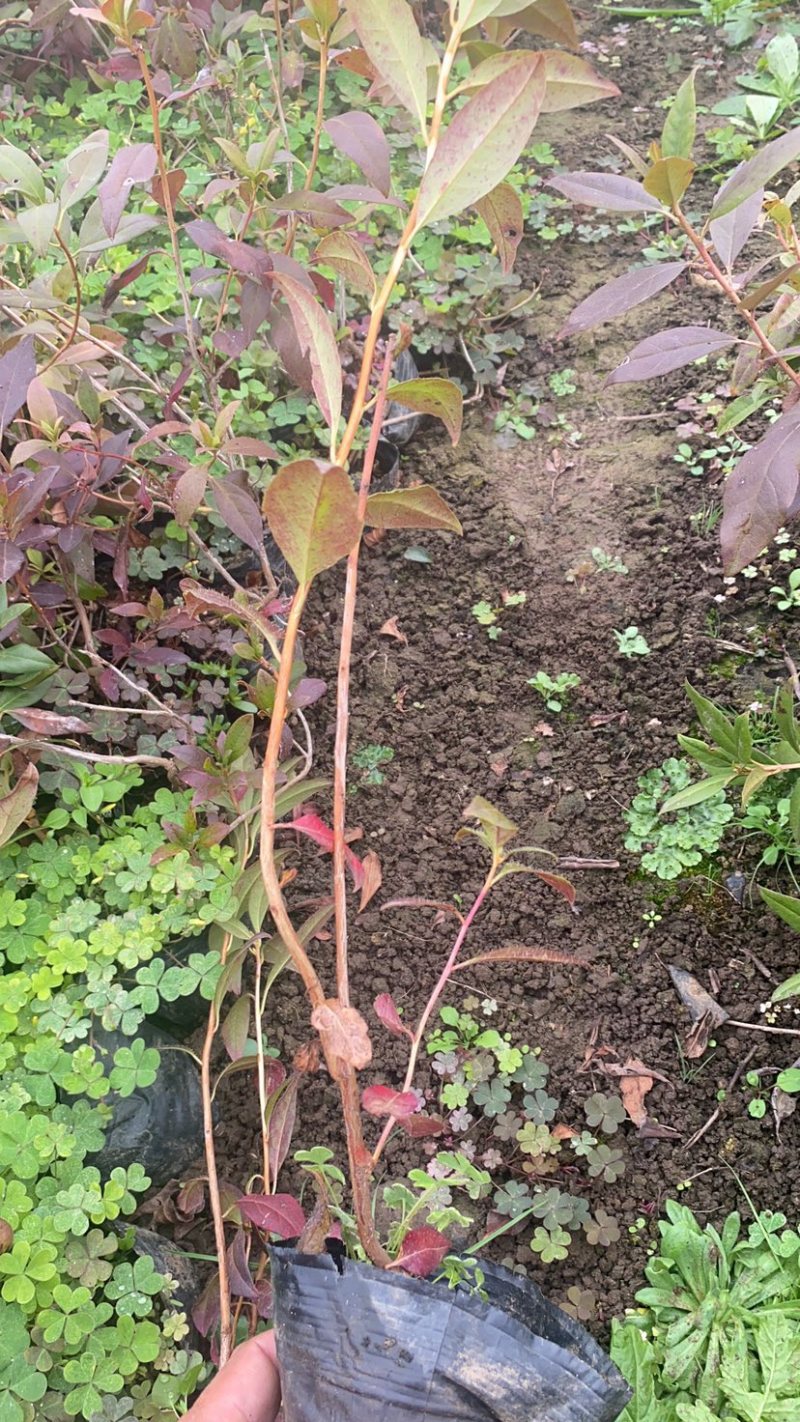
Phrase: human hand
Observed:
(248, 1389)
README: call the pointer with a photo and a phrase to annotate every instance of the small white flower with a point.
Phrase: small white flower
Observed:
(488, 1006)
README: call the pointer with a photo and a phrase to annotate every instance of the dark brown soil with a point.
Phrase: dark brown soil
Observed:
(457, 711)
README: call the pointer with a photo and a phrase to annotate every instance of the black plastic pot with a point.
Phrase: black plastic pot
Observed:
(358, 1344)
(160, 1126)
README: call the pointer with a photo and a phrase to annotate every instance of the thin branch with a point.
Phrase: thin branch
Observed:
(33, 743)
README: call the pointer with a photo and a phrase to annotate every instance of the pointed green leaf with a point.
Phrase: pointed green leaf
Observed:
(696, 794)
(420, 507)
(312, 511)
(668, 179)
(389, 34)
(788, 908)
(342, 251)
(19, 173)
(677, 137)
(483, 142)
(432, 395)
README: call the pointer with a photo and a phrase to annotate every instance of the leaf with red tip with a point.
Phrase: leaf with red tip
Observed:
(422, 1251)
(384, 1101)
(312, 513)
(387, 1014)
(314, 828)
(317, 341)
(275, 1214)
(557, 882)
(620, 295)
(343, 1032)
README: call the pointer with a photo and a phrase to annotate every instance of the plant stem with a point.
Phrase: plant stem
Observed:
(262, 1075)
(729, 290)
(432, 1001)
(76, 281)
(225, 1321)
(343, 701)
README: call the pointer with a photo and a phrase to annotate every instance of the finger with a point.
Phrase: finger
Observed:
(247, 1390)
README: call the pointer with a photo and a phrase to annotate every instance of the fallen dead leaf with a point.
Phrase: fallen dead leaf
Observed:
(391, 629)
(633, 1088)
(543, 729)
(373, 878)
(498, 767)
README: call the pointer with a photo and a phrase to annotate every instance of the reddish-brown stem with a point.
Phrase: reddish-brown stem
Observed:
(343, 701)
(467, 923)
(76, 281)
(225, 1321)
(726, 285)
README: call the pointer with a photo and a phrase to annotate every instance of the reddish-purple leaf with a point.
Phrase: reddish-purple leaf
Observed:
(501, 210)
(552, 19)
(134, 164)
(343, 1033)
(123, 279)
(605, 190)
(314, 828)
(189, 492)
(362, 140)
(558, 884)
(669, 350)
(274, 1214)
(384, 1101)
(281, 1125)
(246, 261)
(387, 1013)
(620, 295)
(729, 233)
(205, 1312)
(483, 141)
(48, 723)
(422, 1251)
(17, 370)
(313, 516)
(317, 341)
(235, 1028)
(308, 691)
(756, 172)
(760, 493)
(420, 1126)
(322, 208)
(239, 510)
(12, 559)
(241, 1281)
(251, 448)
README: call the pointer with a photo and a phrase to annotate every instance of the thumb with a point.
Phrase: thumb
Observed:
(248, 1388)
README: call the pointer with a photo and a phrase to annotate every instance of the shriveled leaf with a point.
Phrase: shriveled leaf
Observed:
(605, 190)
(373, 878)
(421, 1252)
(432, 395)
(677, 136)
(17, 370)
(387, 1014)
(343, 252)
(421, 1126)
(316, 340)
(483, 141)
(420, 507)
(189, 493)
(49, 723)
(552, 19)
(343, 1033)
(668, 179)
(730, 233)
(501, 210)
(521, 953)
(760, 493)
(669, 350)
(756, 172)
(239, 510)
(360, 137)
(236, 1027)
(394, 47)
(620, 295)
(633, 1089)
(312, 513)
(131, 165)
(18, 803)
(384, 1101)
(275, 1214)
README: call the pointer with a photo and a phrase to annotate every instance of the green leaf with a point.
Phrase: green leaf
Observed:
(346, 255)
(420, 507)
(435, 396)
(696, 794)
(38, 225)
(483, 142)
(757, 172)
(19, 173)
(22, 663)
(677, 137)
(635, 1357)
(715, 724)
(788, 908)
(388, 31)
(789, 1080)
(668, 179)
(312, 513)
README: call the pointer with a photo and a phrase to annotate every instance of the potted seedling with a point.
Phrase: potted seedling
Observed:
(360, 1324)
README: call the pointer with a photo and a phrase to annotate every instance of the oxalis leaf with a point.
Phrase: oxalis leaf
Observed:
(312, 511)
(620, 295)
(669, 350)
(388, 31)
(483, 142)
(761, 493)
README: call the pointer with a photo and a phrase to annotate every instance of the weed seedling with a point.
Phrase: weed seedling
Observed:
(488, 616)
(631, 643)
(554, 690)
(369, 761)
(788, 597)
(608, 562)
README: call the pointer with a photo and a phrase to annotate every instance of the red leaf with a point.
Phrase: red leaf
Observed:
(239, 510)
(373, 878)
(384, 1101)
(558, 883)
(241, 1281)
(12, 559)
(620, 295)
(420, 1126)
(246, 261)
(760, 493)
(421, 1252)
(281, 1125)
(343, 1032)
(316, 829)
(363, 141)
(274, 1214)
(388, 1015)
(123, 279)
(669, 350)
(605, 190)
(17, 370)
